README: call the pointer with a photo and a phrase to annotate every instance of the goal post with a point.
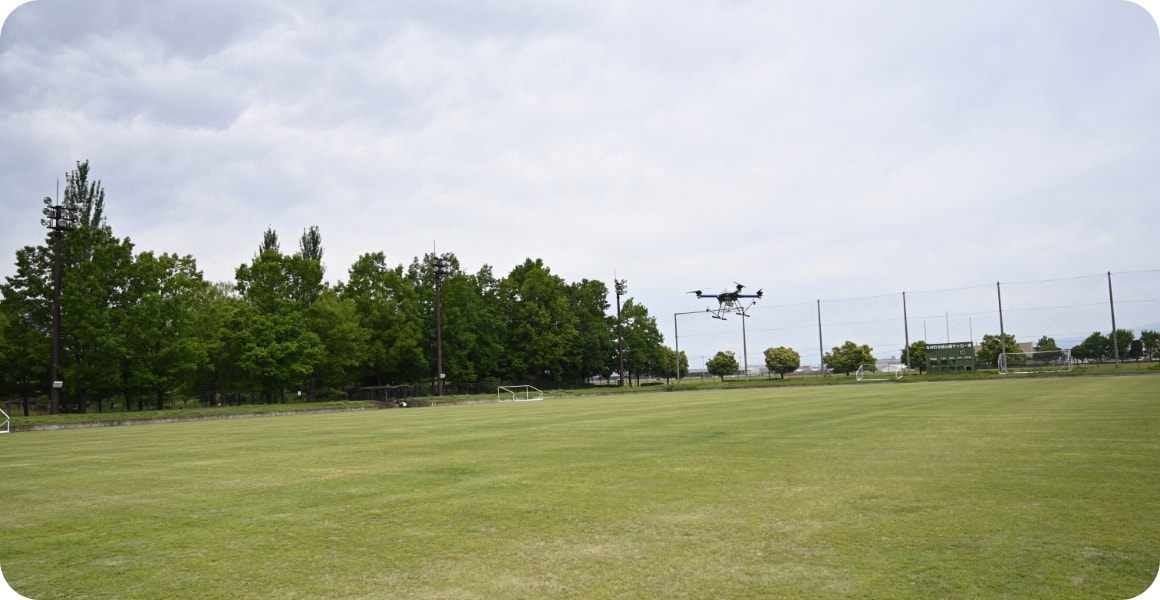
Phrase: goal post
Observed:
(1026, 363)
(515, 392)
(6, 426)
(883, 370)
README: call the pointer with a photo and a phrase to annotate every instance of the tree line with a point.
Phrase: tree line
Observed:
(847, 358)
(140, 327)
(1097, 347)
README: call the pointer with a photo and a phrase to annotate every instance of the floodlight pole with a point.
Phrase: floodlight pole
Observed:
(54, 392)
(677, 340)
(621, 286)
(440, 271)
(59, 219)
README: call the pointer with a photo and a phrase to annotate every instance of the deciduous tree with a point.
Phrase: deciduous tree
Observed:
(162, 351)
(1047, 348)
(914, 356)
(1151, 343)
(991, 347)
(1124, 339)
(388, 311)
(722, 364)
(1097, 347)
(782, 360)
(277, 345)
(596, 330)
(642, 340)
(539, 325)
(669, 363)
(848, 357)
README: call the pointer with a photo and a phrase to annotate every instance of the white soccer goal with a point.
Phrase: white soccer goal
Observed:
(883, 370)
(5, 427)
(1046, 361)
(516, 390)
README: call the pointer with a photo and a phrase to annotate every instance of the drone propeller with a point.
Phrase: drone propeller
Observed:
(760, 293)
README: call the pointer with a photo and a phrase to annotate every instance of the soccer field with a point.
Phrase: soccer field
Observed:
(1015, 488)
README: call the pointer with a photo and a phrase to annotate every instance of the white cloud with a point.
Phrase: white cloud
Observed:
(807, 147)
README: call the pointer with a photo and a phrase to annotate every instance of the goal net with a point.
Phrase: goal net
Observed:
(1046, 361)
(519, 393)
(883, 370)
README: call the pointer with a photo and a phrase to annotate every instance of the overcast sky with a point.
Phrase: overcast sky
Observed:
(818, 149)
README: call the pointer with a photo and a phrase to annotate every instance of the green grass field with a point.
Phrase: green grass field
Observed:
(1016, 488)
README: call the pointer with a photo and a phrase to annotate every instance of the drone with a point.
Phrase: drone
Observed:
(727, 301)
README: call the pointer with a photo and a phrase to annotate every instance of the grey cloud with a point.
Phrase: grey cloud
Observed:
(803, 146)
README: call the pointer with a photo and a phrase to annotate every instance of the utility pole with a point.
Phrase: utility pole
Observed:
(821, 347)
(59, 219)
(744, 342)
(1002, 358)
(677, 338)
(906, 329)
(1115, 338)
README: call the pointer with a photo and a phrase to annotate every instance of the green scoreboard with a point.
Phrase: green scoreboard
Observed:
(955, 357)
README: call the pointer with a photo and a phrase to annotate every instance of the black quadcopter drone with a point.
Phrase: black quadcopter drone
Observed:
(726, 301)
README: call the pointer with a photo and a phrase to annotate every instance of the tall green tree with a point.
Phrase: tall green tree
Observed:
(278, 347)
(387, 309)
(471, 321)
(1150, 340)
(596, 329)
(782, 360)
(1047, 348)
(670, 363)
(212, 323)
(87, 198)
(310, 245)
(25, 302)
(991, 347)
(162, 351)
(642, 340)
(848, 357)
(449, 301)
(476, 310)
(914, 356)
(1123, 341)
(95, 298)
(539, 326)
(269, 242)
(94, 266)
(723, 364)
(335, 321)
(1097, 347)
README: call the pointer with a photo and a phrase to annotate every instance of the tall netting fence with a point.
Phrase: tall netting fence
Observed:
(1064, 310)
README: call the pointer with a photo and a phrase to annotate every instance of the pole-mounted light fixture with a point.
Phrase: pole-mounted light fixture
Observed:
(58, 218)
(621, 289)
(440, 270)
